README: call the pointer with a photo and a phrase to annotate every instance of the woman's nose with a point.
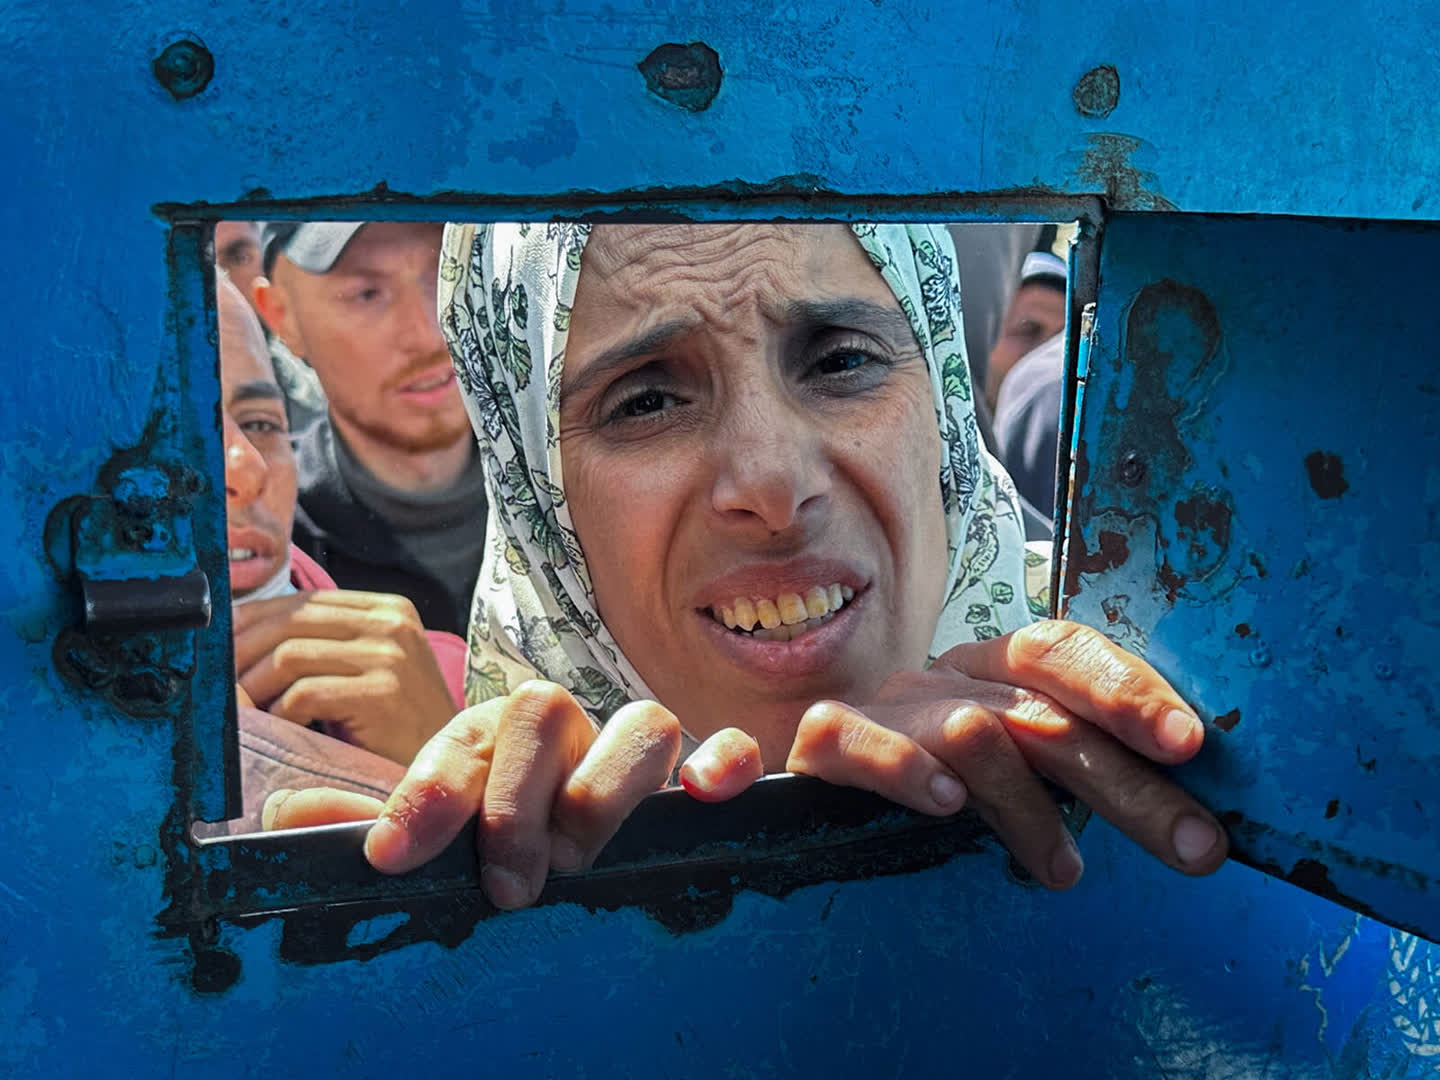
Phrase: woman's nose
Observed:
(771, 470)
(245, 466)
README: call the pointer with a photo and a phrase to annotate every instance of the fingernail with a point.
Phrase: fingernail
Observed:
(1066, 866)
(505, 888)
(1177, 730)
(387, 846)
(696, 774)
(946, 790)
(1194, 838)
(271, 809)
(566, 856)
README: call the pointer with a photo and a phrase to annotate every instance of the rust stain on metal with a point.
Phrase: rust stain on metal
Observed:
(1107, 165)
(1242, 630)
(1113, 552)
(1199, 517)
(1170, 581)
(1312, 872)
(1228, 721)
(1327, 474)
(1332, 808)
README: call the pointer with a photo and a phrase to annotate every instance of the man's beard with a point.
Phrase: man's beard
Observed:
(440, 433)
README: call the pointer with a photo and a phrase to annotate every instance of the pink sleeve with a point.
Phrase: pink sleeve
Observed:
(450, 652)
(275, 754)
(306, 574)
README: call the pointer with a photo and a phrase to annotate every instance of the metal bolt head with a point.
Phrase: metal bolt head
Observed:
(685, 75)
(1383, 671)
(184, 68)
(1132, 470)
(1098, 92)
(1260, 656)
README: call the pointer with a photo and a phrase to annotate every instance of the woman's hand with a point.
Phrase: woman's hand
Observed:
(359, 661)
(550, 789)
(981, 725)
(987, 720)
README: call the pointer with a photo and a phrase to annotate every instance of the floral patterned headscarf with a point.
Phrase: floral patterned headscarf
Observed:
(506, 291)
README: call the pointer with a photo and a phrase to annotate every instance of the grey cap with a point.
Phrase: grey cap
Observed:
(1043, 267)
(313, 246)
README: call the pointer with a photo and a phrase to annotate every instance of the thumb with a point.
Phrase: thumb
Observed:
(288, 809)
(722, 766)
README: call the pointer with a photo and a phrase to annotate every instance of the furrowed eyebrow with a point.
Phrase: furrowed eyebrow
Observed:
(851, 312)
(259, 389)
(617, 356)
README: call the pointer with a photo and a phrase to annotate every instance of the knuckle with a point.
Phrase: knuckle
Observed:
(655, 735)
(822, 732)
(1137, 793)
(384, 684)
(1112, 676)
(1049, 641)
(584, 802)
(509, 839)
(389, 653)
(420, 798)
(298, 701)
(857, 740)
(286, 655)
(1037, 711)
(470, 734)
(975, 732)
(391, 623)
(402, 606)
(545, 704)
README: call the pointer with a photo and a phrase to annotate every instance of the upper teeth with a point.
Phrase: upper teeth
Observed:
(241, 554)
(787, 609)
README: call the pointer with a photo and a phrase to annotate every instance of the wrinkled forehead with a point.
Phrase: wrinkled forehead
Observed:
(730, 262)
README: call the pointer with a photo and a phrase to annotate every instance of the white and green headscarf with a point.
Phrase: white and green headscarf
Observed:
(506, 291)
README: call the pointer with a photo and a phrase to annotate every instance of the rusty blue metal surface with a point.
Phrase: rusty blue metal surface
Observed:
(1257, 510)
(110, 110)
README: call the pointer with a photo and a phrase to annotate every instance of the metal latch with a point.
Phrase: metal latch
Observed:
(130, 553)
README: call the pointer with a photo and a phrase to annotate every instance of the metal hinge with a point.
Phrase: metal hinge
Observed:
(130, 554)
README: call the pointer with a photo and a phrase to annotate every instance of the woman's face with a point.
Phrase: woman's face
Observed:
(748, 436)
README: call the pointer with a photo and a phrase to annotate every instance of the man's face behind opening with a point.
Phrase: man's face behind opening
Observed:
(260, 474)
(369, 329)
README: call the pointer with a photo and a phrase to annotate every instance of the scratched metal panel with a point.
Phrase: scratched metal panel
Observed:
(512, 106)
(1258, 511)
(1145, 102)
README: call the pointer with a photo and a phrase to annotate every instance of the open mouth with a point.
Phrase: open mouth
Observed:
(439, 378)
(784, 617)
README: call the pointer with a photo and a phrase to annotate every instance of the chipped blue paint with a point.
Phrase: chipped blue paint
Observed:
(836, 109)
(1273, 381)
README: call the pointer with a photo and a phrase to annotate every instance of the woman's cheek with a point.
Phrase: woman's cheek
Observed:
(619, 506)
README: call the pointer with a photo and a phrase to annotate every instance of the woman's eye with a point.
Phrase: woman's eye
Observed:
(643, 404)
(842, 360)
(262, 427)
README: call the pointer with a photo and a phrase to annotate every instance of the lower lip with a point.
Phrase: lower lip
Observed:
(812, 653)
(250, 574)
(435, 395)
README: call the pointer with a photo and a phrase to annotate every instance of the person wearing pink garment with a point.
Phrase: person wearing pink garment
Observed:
(334, 686)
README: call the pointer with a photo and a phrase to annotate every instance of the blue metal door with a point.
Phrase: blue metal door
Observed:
(125, 947)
